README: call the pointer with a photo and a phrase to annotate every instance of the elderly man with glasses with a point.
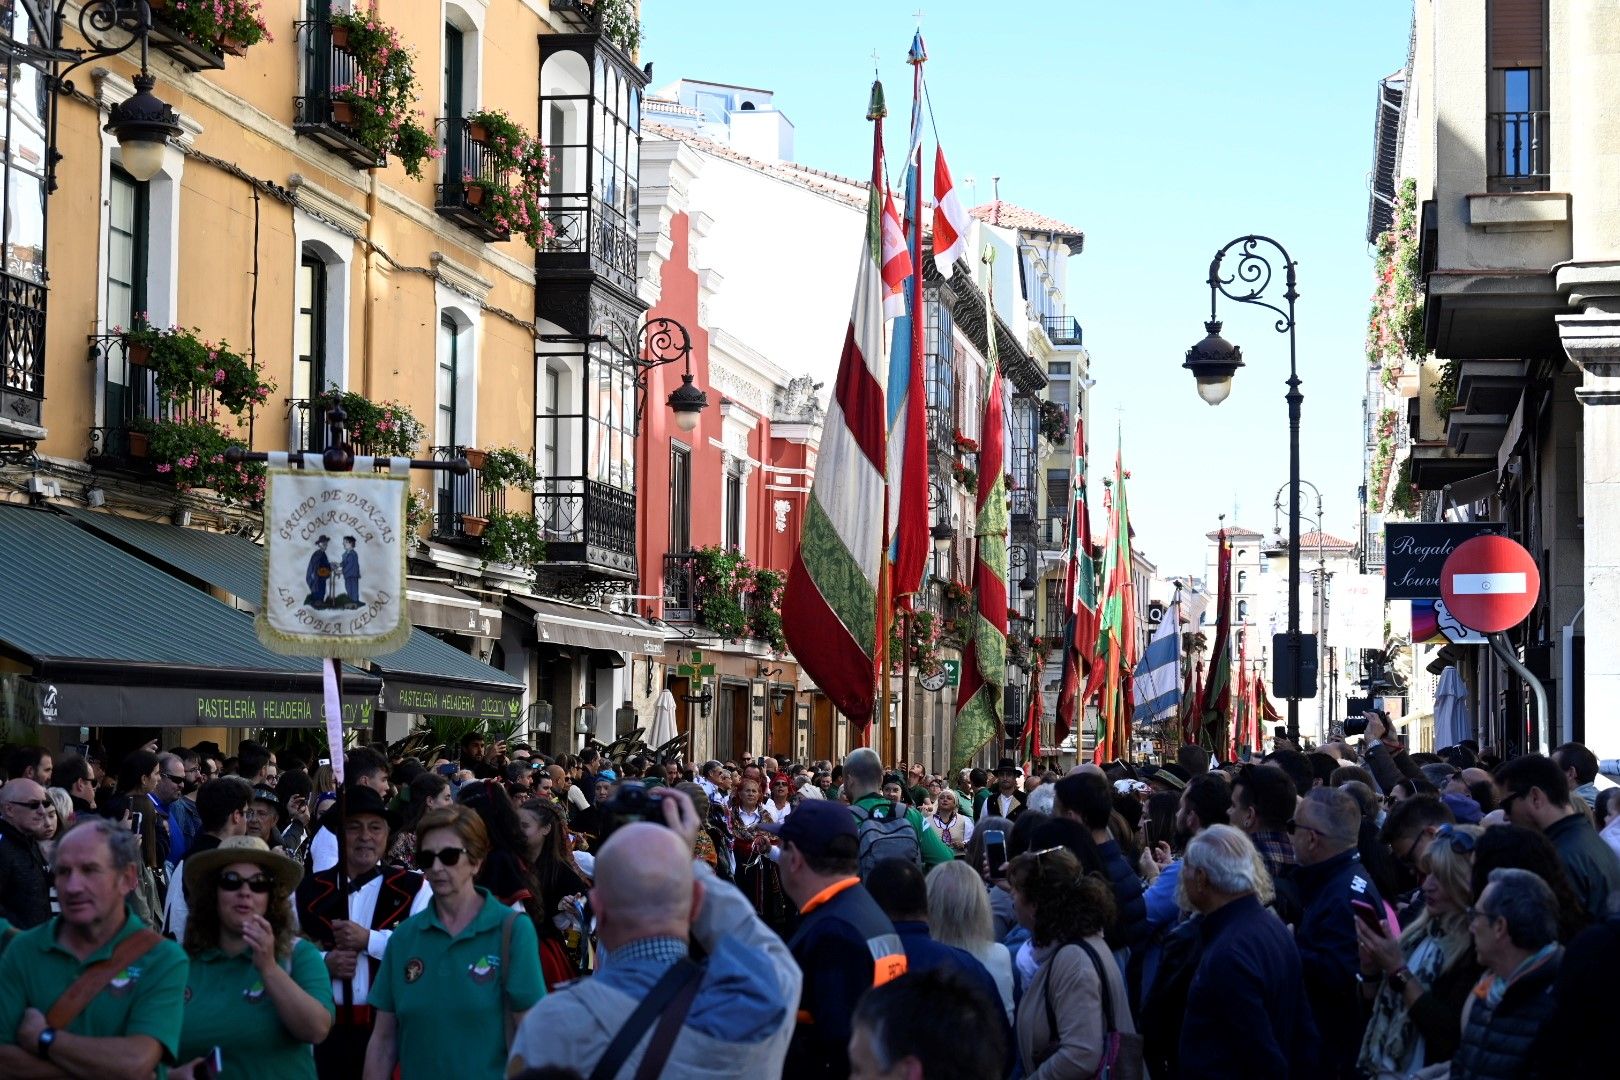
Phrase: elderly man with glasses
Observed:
(1515, 927)
(1331, 878)
(25, 883)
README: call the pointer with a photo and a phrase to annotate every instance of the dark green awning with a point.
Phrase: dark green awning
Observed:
(110, 640)
(425, 676)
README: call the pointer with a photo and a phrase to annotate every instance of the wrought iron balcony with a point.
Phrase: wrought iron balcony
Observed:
(177, 45)
(318, 114)
(589, 527)
(1517, 143)
(468, 181)
(130, 398)
(680, 587)
(1061, 329)
(307, 429)
(460, 503)
(22, 359)
(592, 235)
(942, 430)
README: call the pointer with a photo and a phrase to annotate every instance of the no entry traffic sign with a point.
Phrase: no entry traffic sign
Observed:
(1490, 583)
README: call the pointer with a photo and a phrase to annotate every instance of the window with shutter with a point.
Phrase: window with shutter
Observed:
(1516, 117)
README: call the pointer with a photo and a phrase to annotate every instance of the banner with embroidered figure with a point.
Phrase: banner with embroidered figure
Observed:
(335, 546)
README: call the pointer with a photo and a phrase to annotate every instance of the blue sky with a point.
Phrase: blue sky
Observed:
(1161, 129)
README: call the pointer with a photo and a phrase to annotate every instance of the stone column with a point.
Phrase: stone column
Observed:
(1592, 340)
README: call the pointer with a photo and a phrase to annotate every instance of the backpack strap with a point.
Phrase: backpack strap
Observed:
(667, 1031)
(662, 996)
(94, 979)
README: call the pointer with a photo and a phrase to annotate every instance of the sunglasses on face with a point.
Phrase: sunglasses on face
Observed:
(1294, 825)
(449, 856)
(31, 804)
(231, 881)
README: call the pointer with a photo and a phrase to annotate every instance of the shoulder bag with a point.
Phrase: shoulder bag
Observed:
(94, 979)
(1122, 1051)
(668, 1002)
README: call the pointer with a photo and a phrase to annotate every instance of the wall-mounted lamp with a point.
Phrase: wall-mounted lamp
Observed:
(584, 718)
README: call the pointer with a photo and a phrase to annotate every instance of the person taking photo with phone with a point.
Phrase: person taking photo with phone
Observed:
(1419, 981)
(255, 993)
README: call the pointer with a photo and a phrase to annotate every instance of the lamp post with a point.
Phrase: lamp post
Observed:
(1213, 362)
(1325, 712)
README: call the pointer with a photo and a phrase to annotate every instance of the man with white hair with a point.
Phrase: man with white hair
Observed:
(1249, 978)
(732, 1016)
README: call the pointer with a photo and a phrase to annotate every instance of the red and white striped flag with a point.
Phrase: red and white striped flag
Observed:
(896, 260)
(950, 220)
(830, 609)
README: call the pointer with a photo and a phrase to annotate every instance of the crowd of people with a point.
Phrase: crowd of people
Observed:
(1343, 913)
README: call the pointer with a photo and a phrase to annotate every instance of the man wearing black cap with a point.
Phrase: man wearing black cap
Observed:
(353, 937)
(845, 944)
(1006, 801)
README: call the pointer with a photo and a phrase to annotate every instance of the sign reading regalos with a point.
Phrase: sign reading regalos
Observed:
(334, 563)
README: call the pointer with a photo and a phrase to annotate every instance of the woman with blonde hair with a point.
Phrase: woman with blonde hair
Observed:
(959, 915)
(1419, 982)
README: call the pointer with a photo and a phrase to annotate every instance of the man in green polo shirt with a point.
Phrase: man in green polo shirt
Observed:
(134, 1020)
(863, 779)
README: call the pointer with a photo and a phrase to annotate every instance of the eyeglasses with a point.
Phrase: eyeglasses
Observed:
(1462, 843)
(1478, 913)
(1506, 805)
(1294, 825)
(176, 779)
(29, 804)
(231, 881)
(449, 856)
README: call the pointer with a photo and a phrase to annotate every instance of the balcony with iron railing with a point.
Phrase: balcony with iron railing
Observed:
(22, 359)
(179, 46)
(318, 114)
(1061, 329)
(130, 399)
(307, 429)
(459, 501)
(592, 235)
(680, 587)
(1516, 143)
(589, 527)
(468, 180)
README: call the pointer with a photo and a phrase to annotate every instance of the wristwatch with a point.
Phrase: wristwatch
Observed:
(47, 1036)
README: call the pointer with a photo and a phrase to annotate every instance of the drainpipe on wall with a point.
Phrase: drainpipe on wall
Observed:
(368, 319)
(1566, 681)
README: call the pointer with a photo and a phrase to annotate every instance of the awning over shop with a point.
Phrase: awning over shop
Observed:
(109, 640)
(559, 623)
(438, 606)
(426, 676)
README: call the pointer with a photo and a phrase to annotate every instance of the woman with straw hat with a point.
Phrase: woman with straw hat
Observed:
(256, 993)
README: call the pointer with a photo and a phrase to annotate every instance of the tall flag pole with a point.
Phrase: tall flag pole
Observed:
(1242, 712)
(1158, 674)
(1080, 593)
(1110, 677)
(831, 613)
(1218, 686)
(979, 701)
(908, 533)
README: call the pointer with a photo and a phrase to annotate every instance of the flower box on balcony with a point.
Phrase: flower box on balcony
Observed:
(343, 113)
(139, 444)
(475, 458)
(340, 37)
(473, 193)
(138, 354)
(473, 525)
(478, 132)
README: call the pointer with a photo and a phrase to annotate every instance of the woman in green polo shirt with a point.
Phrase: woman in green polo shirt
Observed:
(256, 992)
(458, 976)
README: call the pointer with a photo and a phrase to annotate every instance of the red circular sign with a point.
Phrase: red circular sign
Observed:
(1490, 583)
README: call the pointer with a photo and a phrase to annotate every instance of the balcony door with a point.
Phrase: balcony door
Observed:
(454, 101)
(309, 362)
(1516, 96)
(127, 216)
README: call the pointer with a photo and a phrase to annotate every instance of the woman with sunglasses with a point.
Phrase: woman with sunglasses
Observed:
(459, 975)
(1418, 982)
(1060, 1022)
(256, 993)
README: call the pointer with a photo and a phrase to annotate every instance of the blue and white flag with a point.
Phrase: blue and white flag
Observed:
(1158, 673)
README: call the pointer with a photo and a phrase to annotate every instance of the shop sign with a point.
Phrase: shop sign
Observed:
(447, 701)
(1415, 553)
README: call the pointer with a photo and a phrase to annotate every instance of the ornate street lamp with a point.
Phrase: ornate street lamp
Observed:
(1213, 362)
(143, 125)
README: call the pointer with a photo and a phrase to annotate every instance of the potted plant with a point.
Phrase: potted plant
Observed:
(185, 364)
(505, 467)
(386, 429)
(139, 443)
(379, 107)
(513, 539)
(192, 453)
(495, 129)
(472, 191)
(475, 457)
(474, 525)
(510, 187)
(617, 21)
(230, 25)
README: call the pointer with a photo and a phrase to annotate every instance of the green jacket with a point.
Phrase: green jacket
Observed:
(934, 851)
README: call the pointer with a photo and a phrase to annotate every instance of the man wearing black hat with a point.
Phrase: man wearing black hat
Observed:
(845, 944)
(1006, 801)
(353, 937)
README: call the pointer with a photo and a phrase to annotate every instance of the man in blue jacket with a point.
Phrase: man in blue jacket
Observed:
(845, 944)
(1246, 1012)
(1330, 877)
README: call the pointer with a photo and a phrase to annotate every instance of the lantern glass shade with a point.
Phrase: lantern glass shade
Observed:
(584, 717)
(687, 402)
(1215, 391)
(143, 124)
(141, 158)
(1213, 362)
